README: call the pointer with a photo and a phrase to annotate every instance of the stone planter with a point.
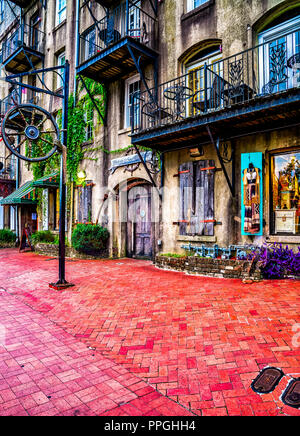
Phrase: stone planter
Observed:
(222, 268)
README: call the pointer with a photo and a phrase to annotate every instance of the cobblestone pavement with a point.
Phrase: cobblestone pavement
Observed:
(198, 341)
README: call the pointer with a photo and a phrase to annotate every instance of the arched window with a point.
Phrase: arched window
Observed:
(279, 52)
(195, 70)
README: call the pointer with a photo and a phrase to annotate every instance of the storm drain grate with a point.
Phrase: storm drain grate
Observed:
(267, 380)
(291, 396)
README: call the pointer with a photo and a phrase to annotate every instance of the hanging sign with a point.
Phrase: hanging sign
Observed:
(129, 160)
(252, 194)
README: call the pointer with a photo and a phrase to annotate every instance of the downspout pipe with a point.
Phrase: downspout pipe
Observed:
(77, 29)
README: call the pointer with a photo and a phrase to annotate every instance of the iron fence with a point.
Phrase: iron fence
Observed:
(266, 69)
(119, 22)
(23, 35)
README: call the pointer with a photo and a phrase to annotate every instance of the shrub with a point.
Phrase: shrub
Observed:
(89, 238)
(43, 236)
(175, 255)
(7, 236)
(277, 261)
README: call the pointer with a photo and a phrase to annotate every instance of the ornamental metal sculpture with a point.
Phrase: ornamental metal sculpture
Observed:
(25, 124)
(31, 133)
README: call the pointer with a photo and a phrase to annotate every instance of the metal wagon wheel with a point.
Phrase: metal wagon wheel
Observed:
(26, 123)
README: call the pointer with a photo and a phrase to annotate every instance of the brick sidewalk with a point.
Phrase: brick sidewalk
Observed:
(199, 341)
(44, 371)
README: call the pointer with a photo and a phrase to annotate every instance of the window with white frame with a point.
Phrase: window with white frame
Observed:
(196, 79)
(61, 60)
(278, 53)
(61, 11)
(89, 120)
(193, 4)
(1, 11)
(132, 107)
(89, 38)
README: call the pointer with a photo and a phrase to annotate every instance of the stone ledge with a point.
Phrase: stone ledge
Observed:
(52, 250)
(225, 268)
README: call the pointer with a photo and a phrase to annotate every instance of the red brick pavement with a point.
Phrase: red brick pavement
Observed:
(44, 371)
(199, 341)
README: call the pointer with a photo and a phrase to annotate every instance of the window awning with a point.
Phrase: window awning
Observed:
(24, 195)
(49, 181)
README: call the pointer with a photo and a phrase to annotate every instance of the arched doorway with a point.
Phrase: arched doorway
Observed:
(139, 240)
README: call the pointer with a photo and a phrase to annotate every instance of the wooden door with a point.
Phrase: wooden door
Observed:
(139, 225)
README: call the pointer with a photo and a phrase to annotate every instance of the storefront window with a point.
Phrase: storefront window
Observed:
(285, 184)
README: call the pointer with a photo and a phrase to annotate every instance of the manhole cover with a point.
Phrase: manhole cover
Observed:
(291, 396)
(267, 380)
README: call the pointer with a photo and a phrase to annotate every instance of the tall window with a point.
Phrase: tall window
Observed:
(132, 108)
(279, 46)
(89, 120)
(196, 82)
(193, 4)
(285, 192)
(1, 11)
(89, 41)
(61, 60)
(61, 11)
(134, 20)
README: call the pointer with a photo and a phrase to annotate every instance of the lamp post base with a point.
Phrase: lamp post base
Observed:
(58, 286)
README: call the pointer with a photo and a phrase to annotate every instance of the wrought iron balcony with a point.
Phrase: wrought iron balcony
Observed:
(106, 48)
(249, 87)
(21, 3)
(23, 48)
(8, 168)
(9, 102)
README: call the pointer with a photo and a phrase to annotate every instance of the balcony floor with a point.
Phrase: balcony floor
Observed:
(18, 62)
(262, 113)
(115, 62)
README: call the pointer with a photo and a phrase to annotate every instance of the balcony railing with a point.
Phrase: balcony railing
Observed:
(23, 36)
(9, 102)
(264, 70)
(133, 22)
(8, 168)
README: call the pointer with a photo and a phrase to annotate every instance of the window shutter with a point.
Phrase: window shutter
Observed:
(209, 198)
(186, 171)
(85, 203)
(197, 198)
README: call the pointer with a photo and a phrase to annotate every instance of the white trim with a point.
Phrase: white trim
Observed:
(190, 4)
(128, 82)
(288, 29)
(60, 14)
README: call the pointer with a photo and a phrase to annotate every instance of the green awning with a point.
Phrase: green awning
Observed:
(23, 195)
(52, 180)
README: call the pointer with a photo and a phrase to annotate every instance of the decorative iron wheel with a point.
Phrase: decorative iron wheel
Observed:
(131, 167)
(32, 126)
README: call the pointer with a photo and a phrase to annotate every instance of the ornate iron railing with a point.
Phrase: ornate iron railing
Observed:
(23, 36)
(120, 22)
(9, 102)
(263, 70)
(8, 168)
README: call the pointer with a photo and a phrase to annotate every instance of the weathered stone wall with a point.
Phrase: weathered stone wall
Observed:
(231, 269)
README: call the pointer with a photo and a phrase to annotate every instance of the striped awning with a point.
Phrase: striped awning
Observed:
(23, 195)
(49, 181)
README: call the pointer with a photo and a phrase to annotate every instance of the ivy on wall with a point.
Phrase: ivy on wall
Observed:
(77, 108)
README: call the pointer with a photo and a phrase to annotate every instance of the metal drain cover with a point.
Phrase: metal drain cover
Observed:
(291, 396)
(267, 380)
